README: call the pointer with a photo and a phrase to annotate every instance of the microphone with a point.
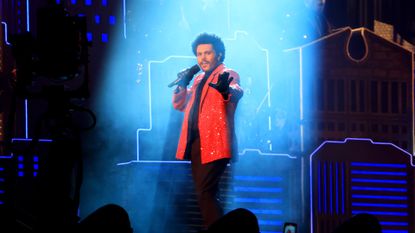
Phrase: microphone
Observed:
(184, 73)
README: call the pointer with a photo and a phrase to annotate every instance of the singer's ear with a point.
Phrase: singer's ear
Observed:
(219, 56)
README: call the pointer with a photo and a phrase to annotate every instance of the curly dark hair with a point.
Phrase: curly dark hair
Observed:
(212, 39)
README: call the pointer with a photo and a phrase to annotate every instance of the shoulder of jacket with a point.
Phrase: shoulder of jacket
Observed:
(230, 71)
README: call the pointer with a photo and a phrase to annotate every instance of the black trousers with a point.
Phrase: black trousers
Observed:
(206, 178)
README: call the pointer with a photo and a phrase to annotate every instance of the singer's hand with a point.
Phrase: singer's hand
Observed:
(223, 84)
(186, 79)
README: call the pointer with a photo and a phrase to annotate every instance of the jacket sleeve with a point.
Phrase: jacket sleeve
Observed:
(180, 98)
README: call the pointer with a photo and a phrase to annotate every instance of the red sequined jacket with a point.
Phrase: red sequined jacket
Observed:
(216, 116)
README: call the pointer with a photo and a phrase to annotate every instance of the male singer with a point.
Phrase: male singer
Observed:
(207, 137)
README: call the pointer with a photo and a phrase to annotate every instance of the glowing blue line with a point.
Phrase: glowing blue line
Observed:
(380, 197)
(269, 222)
(5, 33)
(394, 223)
(380, 213)
(325, 186)
(257, 200)
(363, 139)
(257, 189)
(378, 181)
(311, 191)
(395, 231)
(29, 140)
(6, 156)
(151, 161)
(361, 172)
(264, 153)
(393, 165)
(402, 190)
(318, 186)
(331, 187)
(343, 189)
(258, 178)
(337, 187)
(26, 119)
(27, 16)
(124, 19)
(301, 101)
(262, 102)
(262, 211)
(380, 205)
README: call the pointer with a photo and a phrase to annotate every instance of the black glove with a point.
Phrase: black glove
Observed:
(223, 84)
(187, 75)
(185, 80)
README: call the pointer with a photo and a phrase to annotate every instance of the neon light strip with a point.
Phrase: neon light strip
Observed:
(151, 161)
(26, 119)
(311, 192)
(257, 200)
(301, 102)
(343, 188)
(29, 139)
(271, 212)
(402, 190)
(337, 187)
(258, 178)
(124, 12)
(379, 205)
(264, 153)
(27, 16)
(380, 197)
(331, 188)
(378, 165)
(5, 33)
(380, 213)
(318, 186)
(378, 181)
(394, 231)
(257, 189)
(362, 172)
(325, 187)
(394, 223)
(269, 222)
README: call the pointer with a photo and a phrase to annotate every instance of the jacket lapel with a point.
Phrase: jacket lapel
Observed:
(206, 88)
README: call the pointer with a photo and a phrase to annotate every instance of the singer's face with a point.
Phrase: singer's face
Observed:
(206, 57)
